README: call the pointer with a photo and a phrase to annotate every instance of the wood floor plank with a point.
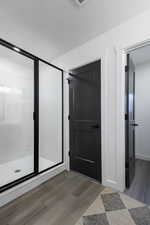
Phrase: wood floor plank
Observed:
(61, 200)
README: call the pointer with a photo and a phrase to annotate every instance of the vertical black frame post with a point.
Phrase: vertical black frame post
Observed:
(62, 116)
(36, 116)
(126, 123)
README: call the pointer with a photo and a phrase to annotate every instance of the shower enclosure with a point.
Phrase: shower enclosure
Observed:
(31, 116)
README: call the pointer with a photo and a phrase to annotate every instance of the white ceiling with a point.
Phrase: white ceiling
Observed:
(61, 25)
(141, 55)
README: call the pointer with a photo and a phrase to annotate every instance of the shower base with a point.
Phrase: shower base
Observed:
(16, 169)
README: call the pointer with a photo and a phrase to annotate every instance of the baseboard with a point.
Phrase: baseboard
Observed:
(142, 157)
(112, 184)
(24, 187)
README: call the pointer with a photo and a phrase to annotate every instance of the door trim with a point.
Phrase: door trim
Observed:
(127, 122)
(121, 53)
(100, 105)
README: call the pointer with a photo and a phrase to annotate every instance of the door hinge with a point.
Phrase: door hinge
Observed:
(126, 68)
(68, 117)
(68, 80)
(33, 115)
(126, 116)
(127, 165)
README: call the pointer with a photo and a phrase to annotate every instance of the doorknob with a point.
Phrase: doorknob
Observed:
(135, 124)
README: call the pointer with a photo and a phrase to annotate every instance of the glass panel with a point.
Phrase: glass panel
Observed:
(50, 116)
(16, 115)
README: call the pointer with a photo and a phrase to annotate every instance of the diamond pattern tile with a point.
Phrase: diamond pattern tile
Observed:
(112, 202)
(100, 219)
(130, 202)
(96, 208)
(114, 208)
(120, 217)
(141, 215)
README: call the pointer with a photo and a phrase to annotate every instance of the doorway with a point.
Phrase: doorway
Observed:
(85, 119)
(138, 124)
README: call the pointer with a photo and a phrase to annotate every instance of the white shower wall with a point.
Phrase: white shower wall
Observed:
(16, 106)
(16, 116)
(50, 113)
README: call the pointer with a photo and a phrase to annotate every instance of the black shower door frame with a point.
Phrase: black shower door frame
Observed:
(36, 61)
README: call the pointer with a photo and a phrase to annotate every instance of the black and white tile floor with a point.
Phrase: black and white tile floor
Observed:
(114, 208)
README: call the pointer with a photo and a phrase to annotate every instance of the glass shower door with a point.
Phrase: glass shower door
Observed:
(50, 117)
(16, 116)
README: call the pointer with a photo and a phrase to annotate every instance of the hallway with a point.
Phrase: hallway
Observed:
(140, 187)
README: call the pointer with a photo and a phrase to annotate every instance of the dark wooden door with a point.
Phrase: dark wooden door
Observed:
(85, 120)
(130, 121)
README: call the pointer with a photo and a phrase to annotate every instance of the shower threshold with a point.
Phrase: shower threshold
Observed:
(19, 168)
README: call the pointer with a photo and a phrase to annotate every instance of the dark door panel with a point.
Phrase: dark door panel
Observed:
(130, 122)
(85, 123)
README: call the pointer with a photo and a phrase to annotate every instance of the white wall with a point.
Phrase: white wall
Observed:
(109, 48)
(142, 110)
